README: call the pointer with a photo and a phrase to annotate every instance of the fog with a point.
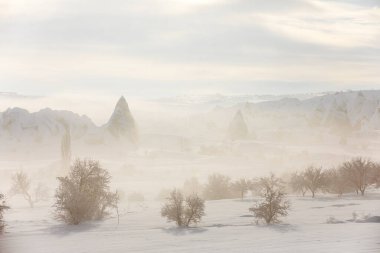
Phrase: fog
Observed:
(190, 142)
(180, 140)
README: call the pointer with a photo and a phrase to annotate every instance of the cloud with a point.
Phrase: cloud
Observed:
(61, 45)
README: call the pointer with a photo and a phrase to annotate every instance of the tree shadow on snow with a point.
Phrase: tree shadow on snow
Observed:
(64, 229)
(183, 231)
(283, 228)
(278, 227)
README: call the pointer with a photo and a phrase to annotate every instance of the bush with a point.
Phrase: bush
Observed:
(3, 207)
(183, 211)
(273, 204)
(84, 194)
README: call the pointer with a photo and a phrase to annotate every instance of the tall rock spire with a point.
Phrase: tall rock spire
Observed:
(122, 124)
(238, 128)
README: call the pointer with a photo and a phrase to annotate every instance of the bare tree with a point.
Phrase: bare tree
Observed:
(357, 173)
(217, 187)
(3, 207)
(84, 194)
(66, 149)
(183, 211)
(315, 179)
(21, 185)
(241, 186)
(336, 183)
(298, 183)
(273, 204)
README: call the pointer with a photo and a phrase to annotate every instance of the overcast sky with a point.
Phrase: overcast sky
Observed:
(161, 48)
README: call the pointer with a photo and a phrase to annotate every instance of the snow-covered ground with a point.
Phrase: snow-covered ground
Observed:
(227, 227)
(174, 149)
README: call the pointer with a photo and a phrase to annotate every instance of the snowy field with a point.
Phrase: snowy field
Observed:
(227, 227)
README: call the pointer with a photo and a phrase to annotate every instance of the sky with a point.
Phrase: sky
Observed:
(152, 48)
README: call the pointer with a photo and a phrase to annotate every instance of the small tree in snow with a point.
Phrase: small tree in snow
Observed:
(315, 179)
(183, 211)
(241, 186)
(3, 207)
(84, 194)
(273, 204)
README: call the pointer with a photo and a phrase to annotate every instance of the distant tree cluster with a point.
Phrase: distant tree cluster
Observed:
(186, 210)
(351, 176)
(220, 186)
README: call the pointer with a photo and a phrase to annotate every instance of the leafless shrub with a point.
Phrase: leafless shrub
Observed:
(183, 211)
(3, 207)
(273, 204)
(84, 194)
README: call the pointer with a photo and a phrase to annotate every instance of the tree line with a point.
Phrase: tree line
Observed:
(84, 194)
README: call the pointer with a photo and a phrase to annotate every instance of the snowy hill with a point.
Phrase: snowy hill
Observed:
(19, 124)
(350, 111)
(47, 125)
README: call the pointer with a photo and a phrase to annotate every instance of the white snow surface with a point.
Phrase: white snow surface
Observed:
(227, 227)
